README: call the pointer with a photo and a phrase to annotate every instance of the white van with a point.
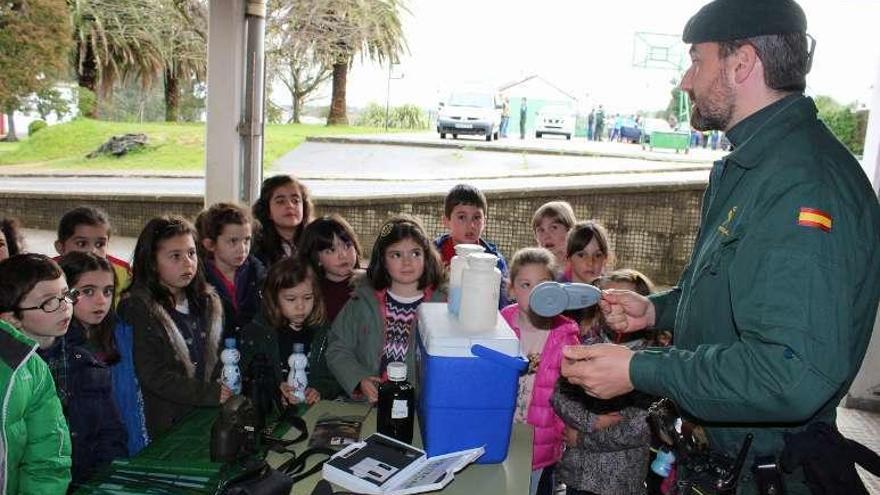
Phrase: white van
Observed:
(469, 112)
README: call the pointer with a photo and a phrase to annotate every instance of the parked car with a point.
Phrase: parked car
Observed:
(470, 112)
(630, 131)
(555, 119)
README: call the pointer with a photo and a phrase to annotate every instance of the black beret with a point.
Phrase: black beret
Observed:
(727, 20)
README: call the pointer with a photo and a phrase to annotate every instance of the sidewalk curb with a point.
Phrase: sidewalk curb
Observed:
(93, 175)
(479, 146)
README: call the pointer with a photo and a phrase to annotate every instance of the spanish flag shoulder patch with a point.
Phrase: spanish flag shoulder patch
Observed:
(811, 217)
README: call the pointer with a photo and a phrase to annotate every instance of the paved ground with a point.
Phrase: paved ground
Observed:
(361, 168)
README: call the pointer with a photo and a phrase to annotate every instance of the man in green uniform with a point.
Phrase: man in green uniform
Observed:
(773, 314)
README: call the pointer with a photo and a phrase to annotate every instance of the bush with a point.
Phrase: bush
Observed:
(86, 102)
(843, 122)
(401, 117)
(35, 126)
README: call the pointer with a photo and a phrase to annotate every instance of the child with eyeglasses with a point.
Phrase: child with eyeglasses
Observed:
(35, 308)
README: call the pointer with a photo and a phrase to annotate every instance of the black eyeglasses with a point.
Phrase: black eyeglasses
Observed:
(53, 304)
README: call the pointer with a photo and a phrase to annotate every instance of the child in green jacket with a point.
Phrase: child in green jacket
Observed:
(292, 313)
(376, 326)
(35, 308)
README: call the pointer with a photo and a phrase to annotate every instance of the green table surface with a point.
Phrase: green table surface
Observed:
(508, 477)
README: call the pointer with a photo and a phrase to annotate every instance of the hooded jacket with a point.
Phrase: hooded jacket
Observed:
(166, 373)
(34, 440)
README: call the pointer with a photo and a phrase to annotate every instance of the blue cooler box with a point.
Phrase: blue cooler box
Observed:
(467, 384)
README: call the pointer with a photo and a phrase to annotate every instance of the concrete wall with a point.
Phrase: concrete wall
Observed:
(652, 228)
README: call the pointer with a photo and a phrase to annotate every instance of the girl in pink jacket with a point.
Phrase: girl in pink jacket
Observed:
(541, 341)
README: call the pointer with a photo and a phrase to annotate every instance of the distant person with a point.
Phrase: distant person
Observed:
(615, 129)
(591, 124)
(505, 116)
(283, 209)
(464, 215)
(87, 229)
(523, 115)
(600, 124)
(10, 238)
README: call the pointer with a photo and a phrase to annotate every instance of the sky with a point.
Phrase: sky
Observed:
(587, 48)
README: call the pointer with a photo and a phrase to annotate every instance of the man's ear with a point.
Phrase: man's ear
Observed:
(746, 62)
(208, 244)
(445, 220)
(59, 247)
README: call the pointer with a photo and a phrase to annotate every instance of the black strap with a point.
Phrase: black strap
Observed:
(296, 465)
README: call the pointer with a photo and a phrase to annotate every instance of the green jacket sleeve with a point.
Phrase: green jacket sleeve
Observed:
(45, 463)
(320, 377)
(347, 340)
(791, 297)
(665, 306)
(157, 369)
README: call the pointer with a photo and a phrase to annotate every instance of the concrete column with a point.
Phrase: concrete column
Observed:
(865, 390)
(223, 150)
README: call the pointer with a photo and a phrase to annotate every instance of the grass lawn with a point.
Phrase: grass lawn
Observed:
(171, 147)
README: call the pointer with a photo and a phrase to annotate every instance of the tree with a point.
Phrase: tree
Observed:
(290, 55)
(342, 29)
(34, 43)
(145, 40)
(843, 121)
(184, 49)
(115, 40)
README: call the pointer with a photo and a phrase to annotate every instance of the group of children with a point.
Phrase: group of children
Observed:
(133, 349)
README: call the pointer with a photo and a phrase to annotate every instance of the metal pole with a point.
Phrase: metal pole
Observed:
(251, 125)
(388, 94)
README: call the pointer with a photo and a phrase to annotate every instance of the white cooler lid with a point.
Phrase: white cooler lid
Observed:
(442, 334)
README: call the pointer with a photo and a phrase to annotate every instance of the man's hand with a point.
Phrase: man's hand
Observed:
(370, 388)
(601, 369)
(625, 311)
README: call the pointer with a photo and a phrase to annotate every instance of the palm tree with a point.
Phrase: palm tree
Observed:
(184, 49)
(115, 40)
(371, 28)
(147, 40)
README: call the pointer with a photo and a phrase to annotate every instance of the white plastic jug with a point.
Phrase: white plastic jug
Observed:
(480, 287)
(456, 267)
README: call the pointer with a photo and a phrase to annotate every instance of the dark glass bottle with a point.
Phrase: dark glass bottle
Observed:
(396, 405)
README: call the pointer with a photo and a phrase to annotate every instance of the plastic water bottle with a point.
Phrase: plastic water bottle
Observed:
(396, 401)
(296, 378)
(480, 289)
(231, 376)
(662, 464)
(456, 268)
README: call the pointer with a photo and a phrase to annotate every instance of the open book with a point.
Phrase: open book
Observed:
(381, 465)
